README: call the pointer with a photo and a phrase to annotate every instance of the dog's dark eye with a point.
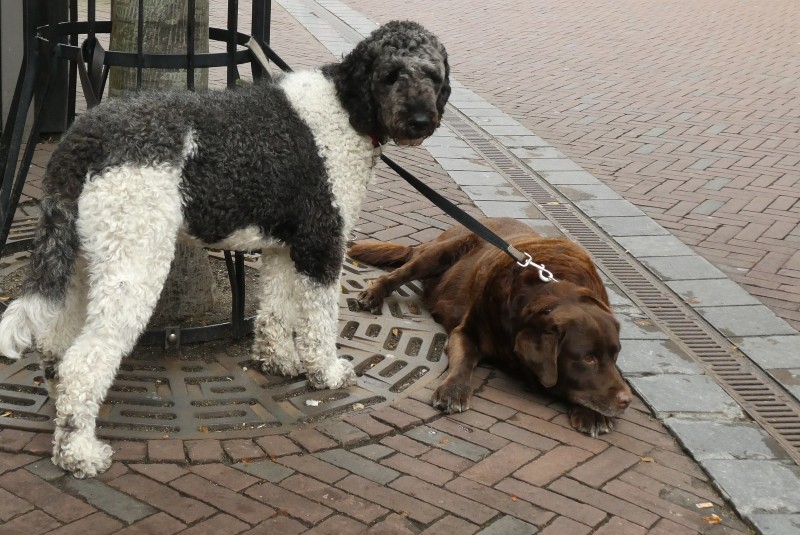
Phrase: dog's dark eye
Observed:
(392, 77)
(590, 360)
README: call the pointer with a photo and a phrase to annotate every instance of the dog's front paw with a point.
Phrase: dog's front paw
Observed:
(83, 456)
(452, 397)
(370, 300)
(590, 422)
(340, 374)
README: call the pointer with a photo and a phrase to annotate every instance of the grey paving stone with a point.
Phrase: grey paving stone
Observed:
(445, 141)
(649, 246)
(725, 440)
(619, 301)
(608, 208)
(478, 178)
(527, 141)
(441, 440)
(46, 470)
(494, 193)
(713, 292)
(789, 378)
(493, 120)
(682, 268)
(460, 164)
(266, 470)
(109, 499)
(484, 112)
(630, 226)
(537, 152)
(557, 178)
(655, 357)
(452, 152)
(749, 320)
(373, 451)
(685, 395)
(771, 351)
(508, 525)
(638, 328)
(508, 131)
(776, 524)
(758, 486)
(543, 227)
(552, 164)
(516, 209)
(358, 465)
(587, 192)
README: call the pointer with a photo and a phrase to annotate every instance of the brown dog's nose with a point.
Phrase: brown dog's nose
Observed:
(623, 399)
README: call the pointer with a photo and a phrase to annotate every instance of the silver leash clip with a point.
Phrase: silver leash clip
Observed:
(544, 274)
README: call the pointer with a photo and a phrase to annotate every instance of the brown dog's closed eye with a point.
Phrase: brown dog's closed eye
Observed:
(563, 333)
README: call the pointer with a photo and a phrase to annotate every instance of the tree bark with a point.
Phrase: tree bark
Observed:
(189, 289)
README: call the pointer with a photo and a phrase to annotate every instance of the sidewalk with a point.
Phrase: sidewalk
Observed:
(512, 464)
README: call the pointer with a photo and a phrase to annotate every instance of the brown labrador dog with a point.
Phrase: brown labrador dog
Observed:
(561, 333)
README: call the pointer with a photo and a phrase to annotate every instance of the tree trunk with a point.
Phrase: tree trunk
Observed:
(189, 289)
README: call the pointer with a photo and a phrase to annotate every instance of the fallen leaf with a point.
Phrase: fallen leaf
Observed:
(648, 460)
(6, 414)
(203, 429)
(514, 498)
(395, 331)
(356, 264)
(713, 519)
(704, 505)
(444, 441)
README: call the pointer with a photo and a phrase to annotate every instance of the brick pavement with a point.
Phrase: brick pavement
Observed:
(510, 465)
(690, 111)
(496, 469)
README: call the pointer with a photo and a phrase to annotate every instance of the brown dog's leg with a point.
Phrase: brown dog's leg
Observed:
(428, 260)
(454, 393)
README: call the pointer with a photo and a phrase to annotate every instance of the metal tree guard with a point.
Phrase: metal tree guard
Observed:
(46, 46)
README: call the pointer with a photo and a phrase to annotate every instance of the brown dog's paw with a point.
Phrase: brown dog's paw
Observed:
(453, 397)
(590, 422)
(370, 300)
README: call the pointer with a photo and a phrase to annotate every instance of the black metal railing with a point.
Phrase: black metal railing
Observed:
(46, 46)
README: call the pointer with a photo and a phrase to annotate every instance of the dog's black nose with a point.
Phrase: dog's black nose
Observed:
(420, 122)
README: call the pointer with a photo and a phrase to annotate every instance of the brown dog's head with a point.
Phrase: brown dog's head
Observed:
(569, 339)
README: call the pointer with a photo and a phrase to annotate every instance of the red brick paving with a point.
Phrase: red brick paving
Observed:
(537, 470)
(691, 114)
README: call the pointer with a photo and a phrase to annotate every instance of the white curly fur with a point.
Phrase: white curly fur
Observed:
(129, 217)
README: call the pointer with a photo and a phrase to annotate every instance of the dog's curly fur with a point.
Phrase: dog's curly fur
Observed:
(280, 166)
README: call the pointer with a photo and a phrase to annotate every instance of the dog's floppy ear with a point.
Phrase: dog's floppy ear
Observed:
(444, 93)
(539, 350)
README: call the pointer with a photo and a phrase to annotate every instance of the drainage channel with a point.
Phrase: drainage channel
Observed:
(762, 398)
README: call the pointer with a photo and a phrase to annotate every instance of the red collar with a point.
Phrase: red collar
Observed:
(375, 142)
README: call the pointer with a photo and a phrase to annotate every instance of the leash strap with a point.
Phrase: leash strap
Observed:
(522, 259)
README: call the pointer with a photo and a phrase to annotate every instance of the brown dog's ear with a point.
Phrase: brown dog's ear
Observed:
(539, 350)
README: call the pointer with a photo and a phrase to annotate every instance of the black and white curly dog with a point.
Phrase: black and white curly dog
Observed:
(279, 166)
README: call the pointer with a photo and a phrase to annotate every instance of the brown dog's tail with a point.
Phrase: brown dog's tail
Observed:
(381, 254)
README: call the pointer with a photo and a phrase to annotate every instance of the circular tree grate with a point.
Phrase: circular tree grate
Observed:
(214, 390)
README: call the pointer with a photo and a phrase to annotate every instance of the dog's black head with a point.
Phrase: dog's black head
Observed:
(570, 341)
(395, 83)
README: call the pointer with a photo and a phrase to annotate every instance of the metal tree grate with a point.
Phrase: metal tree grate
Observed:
(215, 391)
(760, 396)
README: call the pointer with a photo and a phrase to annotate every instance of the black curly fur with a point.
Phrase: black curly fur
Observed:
(256, 163)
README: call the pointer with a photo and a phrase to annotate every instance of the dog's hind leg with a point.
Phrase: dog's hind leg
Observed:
(57, 338)
(128, 223)
(423, 261)
(277, 314)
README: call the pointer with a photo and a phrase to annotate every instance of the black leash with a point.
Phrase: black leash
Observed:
(522, 259)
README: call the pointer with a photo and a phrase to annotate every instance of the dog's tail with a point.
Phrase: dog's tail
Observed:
(44, 293)
(381, 254)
